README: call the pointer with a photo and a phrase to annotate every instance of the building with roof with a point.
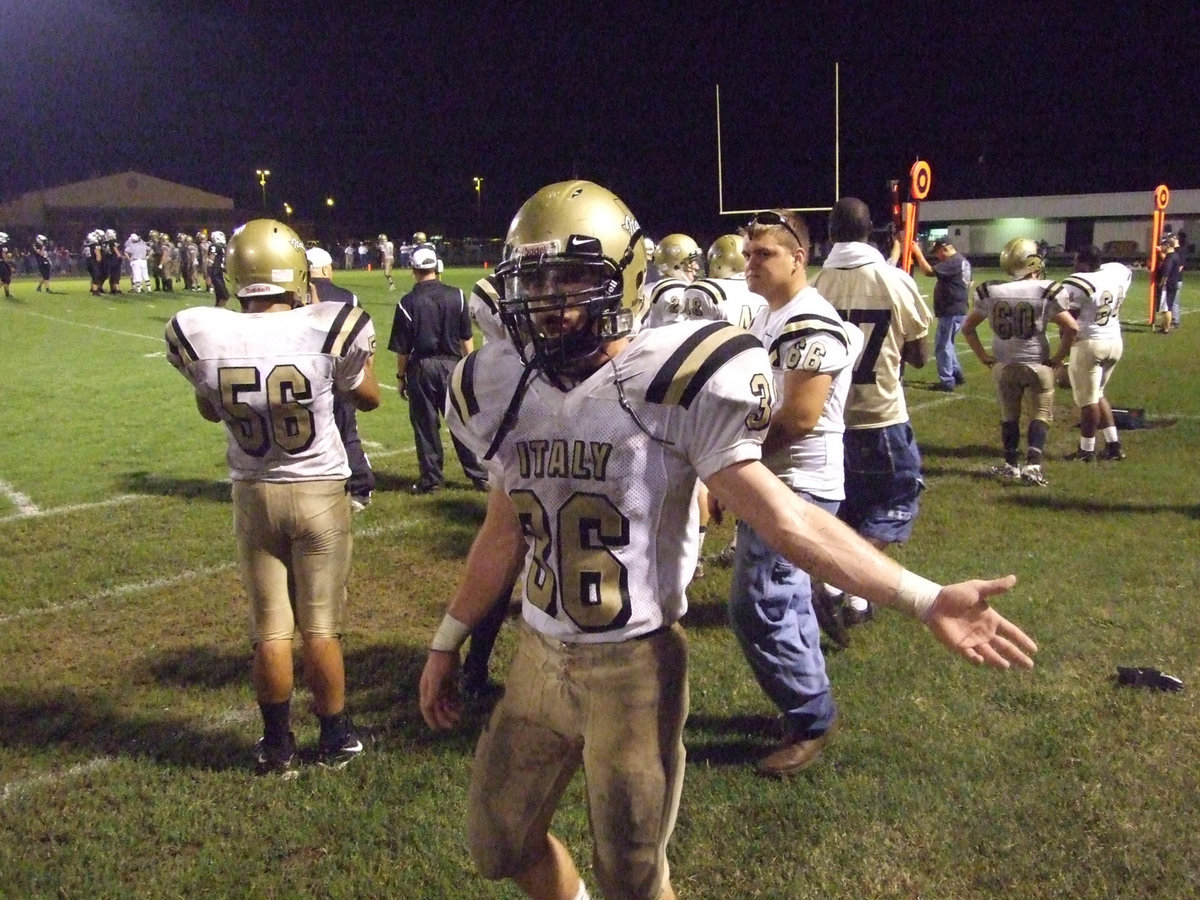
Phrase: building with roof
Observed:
(1119, 224)
(130, 201)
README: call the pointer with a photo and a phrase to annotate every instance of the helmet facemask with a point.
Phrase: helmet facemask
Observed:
(562, 308)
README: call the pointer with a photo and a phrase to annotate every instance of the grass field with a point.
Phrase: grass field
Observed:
(126, 717)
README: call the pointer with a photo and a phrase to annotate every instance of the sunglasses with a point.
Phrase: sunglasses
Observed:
(770, 217)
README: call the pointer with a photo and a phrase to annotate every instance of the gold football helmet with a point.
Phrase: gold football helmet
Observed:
(725, 256)
(419, 237)
(266, 257)
(678, 255)
(1020, 258)
(571, 245)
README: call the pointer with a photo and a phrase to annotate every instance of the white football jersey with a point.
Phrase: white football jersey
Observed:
(1018, 312)
(484, 307)
(807, 334)
(602, 475)
(665, 302)
(1098, 297)
(723, 299)
(272, 378)
(885, 303)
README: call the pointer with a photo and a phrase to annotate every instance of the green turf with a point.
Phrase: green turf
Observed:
(126, 716)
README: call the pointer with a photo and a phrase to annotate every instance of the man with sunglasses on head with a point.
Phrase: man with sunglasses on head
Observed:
(594, 433)
(811, 351)
(883, 464)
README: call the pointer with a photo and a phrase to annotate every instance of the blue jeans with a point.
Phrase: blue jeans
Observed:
(948, 368)
(770, 610)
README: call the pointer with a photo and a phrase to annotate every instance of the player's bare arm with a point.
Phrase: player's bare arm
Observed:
(959, 615)
(367, 395)
(493, 562)
(804, 395)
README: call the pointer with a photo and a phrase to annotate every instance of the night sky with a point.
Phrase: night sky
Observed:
(394, 113)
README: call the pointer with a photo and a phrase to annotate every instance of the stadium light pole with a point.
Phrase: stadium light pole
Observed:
(263, 175)
(478, 179)
(287, 210)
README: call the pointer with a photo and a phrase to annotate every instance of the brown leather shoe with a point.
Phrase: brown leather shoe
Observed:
(794, 755)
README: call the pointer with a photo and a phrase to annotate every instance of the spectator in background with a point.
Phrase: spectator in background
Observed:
(349, 252)
(950, 301)
(1167, 276)
(362, 479)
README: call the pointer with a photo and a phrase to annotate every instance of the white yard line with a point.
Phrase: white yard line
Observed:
(141, 587)
(32, 512)
(15, 789)
(25, 506)
(145, 337)
(121, 590)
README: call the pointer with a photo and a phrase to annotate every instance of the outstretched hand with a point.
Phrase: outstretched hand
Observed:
(963, 621)
(440, 705)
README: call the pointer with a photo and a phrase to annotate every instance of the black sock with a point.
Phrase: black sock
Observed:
(334, 728)
(276, 722)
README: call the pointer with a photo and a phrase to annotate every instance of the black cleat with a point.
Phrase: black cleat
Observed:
(337, 754)
(1084, 456)
(1148, 678)
(830, 610)
(1113, 452)
(279, 761)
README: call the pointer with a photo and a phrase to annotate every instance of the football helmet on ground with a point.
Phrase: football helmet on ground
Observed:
(573, 245)
(265, 258)
(1020, 258)
(725, 256)
(679, 255)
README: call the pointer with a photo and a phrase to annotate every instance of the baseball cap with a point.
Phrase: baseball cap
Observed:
(318, 258)
(424, 258)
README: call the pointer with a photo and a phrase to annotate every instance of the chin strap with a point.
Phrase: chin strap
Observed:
(509, 422)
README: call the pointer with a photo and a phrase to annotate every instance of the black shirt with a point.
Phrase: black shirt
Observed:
(431, 320)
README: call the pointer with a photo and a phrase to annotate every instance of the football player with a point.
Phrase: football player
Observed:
(41, 252)
(724, 294)
(112, 261)
(1021, 363)
(215, 266)
(679, 261)
(270, 374)
(484, 305)
(387, 258)
(322, 289)
(6, 264)
(93, 251)
(812, 352)
(1094, 294)
(721, 296)
(595, 433)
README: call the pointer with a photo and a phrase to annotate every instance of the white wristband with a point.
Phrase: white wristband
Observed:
(916, 595)
(451, 635)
